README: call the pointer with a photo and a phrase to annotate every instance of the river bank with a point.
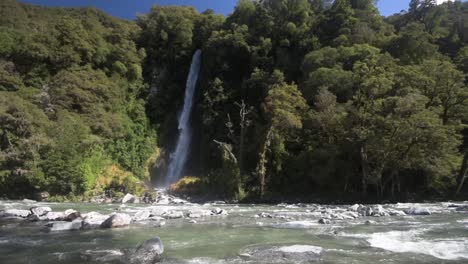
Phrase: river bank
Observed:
(242, 233)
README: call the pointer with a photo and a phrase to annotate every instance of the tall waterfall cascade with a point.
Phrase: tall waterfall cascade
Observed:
(179, 157)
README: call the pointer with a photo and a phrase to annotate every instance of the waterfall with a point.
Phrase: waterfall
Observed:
(179, 157)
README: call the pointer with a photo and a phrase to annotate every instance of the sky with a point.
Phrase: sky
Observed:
(129, 8)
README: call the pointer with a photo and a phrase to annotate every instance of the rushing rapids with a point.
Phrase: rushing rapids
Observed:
(180, 154)
(230, 233)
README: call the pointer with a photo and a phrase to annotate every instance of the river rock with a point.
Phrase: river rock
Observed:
(148, 252)
(396, 213)
(281, 254)
(218, 211)
(40, 211)
(198, 213)
(93, 220)
(71, 214)
(117, 220)
(17, 213)
(418, 211)
(129, 198)
(463, 208)
(142, 215)
(64, 226)
(324, 221)
(370, 222)
(53, 216)
(173, 215)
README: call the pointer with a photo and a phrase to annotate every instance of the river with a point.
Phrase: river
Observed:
(441, 237)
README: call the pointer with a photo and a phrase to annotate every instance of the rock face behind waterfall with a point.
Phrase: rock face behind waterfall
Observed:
(180, 154)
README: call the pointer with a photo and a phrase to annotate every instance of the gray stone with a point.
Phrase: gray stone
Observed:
(369, 222)
(148, 252)
(17, 213)
(418, 211)
(324, 221)
(71, 214)
(129, 198)
(40, 211)
(93, 220)
(142, 215)
(173, 215)
(64, 226)
(53, 216)
(117, 220)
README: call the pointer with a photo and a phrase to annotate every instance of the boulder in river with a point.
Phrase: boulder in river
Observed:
(117, 220)
(93, 220)
(142, 215)
(17, 213)
(148, 252)
(71, 214)
(40, 211)
(418, 211)
(324, 221)
(65, 226)
(129, 198)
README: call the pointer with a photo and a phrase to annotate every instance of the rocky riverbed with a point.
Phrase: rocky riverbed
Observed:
(38, 232)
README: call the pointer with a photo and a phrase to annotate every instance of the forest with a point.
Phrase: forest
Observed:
(296, 98)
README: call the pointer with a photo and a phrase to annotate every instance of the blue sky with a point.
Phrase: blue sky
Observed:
(129, 8)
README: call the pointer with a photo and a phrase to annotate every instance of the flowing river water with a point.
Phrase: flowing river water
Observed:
(441, 237)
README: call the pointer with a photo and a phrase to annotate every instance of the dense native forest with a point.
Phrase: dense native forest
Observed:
(296, 98)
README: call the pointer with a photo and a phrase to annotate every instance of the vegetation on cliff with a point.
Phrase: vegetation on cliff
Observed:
(296, 97)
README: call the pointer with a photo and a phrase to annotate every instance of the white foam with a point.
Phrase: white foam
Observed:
(297, 224)
(300, 249)
(407, 241)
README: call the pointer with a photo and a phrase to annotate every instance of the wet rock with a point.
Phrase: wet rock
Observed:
(281, 254)
(40, 211)
(142, 215)
(93, 220)
(129, 198)
(354, 208)
(418, 211)
(218, 211)
(462, 208)
(193, 221)
(71, 214)
(53, 216)
(324, 221)
(396, 213)
(198, 213)
(148, 252)
(117, 220)
(370, 222)
(173, 215)
(16, 213)
(264, 215)
(378, 210)
(64, 226)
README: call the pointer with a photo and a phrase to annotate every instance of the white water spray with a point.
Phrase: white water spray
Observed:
(179, 156)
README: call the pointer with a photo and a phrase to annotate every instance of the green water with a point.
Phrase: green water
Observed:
(439, 238)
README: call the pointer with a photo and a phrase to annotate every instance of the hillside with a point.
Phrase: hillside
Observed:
(296, 98)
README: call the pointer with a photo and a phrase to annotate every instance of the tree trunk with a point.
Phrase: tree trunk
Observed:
(261, 167)
(365, 169)
(463, 172)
